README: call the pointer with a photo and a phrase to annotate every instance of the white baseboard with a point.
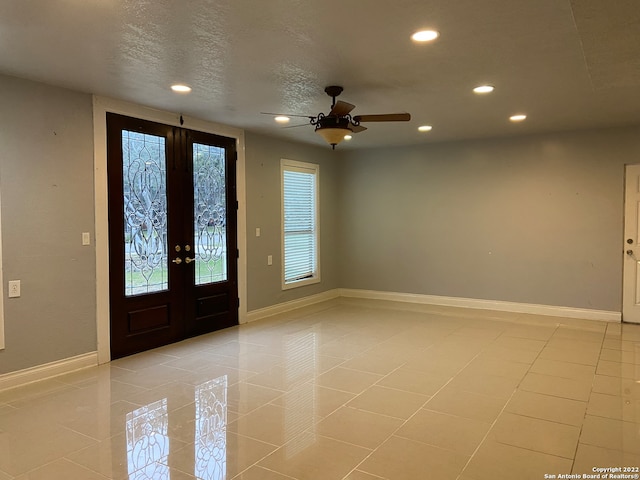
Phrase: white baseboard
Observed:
(48, 370)
(261, 313)
(497, 305)
(514, 307)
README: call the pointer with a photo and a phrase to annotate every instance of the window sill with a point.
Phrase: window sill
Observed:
(300, 283)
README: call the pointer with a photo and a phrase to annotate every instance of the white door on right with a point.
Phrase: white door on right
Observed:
(631, 248)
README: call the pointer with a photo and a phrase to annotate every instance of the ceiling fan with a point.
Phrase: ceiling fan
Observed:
(338, 122)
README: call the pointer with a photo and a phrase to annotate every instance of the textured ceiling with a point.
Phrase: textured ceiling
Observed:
(566, 64)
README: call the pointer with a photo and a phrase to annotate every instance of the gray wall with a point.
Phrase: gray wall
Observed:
(46, 186)
(534, 219)
(263, 156)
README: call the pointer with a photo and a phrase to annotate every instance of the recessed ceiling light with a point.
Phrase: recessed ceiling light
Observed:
(484, 89)
(348, 137)
(282, 119)
(425, 128)
(181, 88)
(517, 118)
(425, 36)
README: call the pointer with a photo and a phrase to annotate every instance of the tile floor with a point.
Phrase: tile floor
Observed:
(347, 389)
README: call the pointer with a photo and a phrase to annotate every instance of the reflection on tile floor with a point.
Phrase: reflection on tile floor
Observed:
(347, 389)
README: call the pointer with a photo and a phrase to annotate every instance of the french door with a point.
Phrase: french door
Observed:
(172, 233)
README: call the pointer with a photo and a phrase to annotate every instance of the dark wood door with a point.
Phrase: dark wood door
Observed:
(172, 233)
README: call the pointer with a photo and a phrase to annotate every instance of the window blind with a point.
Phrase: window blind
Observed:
(300, 239)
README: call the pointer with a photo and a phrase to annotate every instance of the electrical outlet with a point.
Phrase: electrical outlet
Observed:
(14, 288)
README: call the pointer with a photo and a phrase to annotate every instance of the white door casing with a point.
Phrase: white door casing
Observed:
(631, 246)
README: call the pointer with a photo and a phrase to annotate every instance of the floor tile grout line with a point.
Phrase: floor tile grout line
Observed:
(367, 473)
(264, 468)
(345, 405)
(309, 382)
(256, 464)
(420, 408)
(503, 409)
(42, 465)
(66, 459)
(609, 418)
(595, 372)
(260, 459)
(397, 389)
(416, 412)
(243, 435)
(398, 428)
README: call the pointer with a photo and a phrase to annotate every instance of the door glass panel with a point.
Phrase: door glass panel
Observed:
(145, 213)
(148, 442)
(210, 214)
(211, 430)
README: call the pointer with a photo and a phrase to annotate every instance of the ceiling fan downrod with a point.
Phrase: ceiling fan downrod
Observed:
(333, 91)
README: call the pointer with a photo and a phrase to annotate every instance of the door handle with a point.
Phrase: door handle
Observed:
(630, 252)
(189, 260)
(177, 261)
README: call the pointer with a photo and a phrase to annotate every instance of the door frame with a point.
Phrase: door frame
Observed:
(102, 105)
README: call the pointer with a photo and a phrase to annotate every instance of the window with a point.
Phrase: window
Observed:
(300, 232)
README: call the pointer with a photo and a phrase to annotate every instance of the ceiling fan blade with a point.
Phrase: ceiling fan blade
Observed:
(340, 109)
(356, 128)
(286, 115)
(385, 117)
(296, 126)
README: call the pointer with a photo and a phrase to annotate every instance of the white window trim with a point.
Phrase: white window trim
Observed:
(307, 168)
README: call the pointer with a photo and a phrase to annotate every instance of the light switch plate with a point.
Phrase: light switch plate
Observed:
(86, 238)
(14, 288)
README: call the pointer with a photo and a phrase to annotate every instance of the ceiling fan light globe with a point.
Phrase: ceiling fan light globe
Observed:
(333, 136)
